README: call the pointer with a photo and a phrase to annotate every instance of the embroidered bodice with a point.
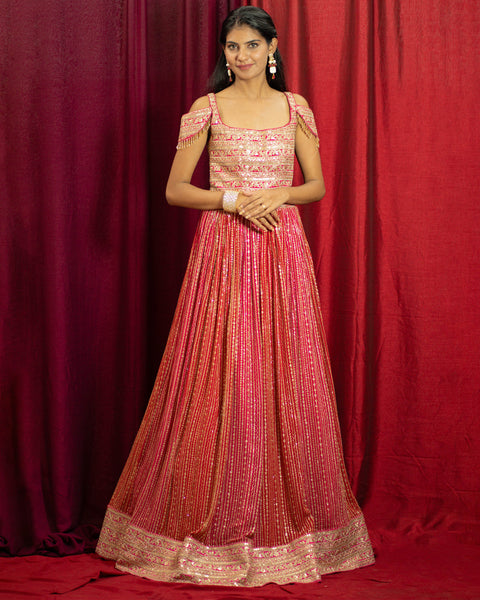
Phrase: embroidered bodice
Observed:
(248, 158)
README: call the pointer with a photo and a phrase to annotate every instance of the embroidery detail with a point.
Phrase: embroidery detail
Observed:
(305, 559)
(250, 159)
(192, 125)
(306, 122)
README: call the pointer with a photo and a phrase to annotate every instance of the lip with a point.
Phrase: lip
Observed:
(244, 67)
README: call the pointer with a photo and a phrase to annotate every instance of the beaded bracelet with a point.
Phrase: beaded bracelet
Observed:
(229, 201)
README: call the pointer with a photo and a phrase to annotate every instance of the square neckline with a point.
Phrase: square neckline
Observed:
(214, 106)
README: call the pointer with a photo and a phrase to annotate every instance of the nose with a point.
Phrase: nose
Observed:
(242, 54)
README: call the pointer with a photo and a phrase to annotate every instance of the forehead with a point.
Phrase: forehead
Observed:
(243, 34)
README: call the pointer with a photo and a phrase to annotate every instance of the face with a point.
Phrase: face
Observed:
(247, 52)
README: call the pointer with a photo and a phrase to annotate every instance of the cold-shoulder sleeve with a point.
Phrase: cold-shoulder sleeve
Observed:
(306, 122)
(192, 125)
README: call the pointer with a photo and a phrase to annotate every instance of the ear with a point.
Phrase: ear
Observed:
(273, 46)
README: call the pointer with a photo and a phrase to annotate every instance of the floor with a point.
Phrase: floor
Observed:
(427, 567)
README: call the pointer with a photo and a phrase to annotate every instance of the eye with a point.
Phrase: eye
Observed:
(253, 44)
(231, 47)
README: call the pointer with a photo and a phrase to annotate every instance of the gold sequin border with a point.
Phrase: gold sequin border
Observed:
(304, 560)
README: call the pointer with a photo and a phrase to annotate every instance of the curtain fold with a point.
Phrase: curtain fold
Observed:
(73, 266)
(182, 50)
(396, 244)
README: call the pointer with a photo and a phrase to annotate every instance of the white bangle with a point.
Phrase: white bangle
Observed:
(229, 201)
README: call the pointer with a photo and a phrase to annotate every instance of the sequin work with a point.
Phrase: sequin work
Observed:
(236, 476)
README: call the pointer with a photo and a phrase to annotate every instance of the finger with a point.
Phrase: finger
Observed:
(272, 213)
(244, 197)
(256, 210)
(247, 204)
(258, 224)
(269, 222)
(266, 223)
(268, 211)
(262, 224)
(271, 219)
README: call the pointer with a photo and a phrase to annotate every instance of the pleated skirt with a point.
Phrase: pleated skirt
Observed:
(236, 476)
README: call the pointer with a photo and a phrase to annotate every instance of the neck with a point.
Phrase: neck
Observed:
(252, 88)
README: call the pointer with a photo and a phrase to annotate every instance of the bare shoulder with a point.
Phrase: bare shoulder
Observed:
(202, 102)
(300, 100)
(226, 92)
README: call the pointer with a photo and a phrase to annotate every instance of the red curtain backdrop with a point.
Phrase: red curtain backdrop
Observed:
(92, 257)
(182, 50)
(395, 90)
(73, 261)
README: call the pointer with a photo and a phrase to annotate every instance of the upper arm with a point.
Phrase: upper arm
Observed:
(186, 159)
(308, 157)
(188, 155)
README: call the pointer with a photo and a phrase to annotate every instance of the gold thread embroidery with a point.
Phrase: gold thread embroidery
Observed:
(192, 125)
(306, 122)
(305, 559)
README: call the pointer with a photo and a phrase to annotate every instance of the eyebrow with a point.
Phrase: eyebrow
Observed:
(249, 41)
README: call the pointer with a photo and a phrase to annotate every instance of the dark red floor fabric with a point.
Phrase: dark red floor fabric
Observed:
(433, 568)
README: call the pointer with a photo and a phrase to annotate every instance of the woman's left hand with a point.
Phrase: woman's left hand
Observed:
(262, 202)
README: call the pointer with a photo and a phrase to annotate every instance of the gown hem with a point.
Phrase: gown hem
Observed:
(303, 560)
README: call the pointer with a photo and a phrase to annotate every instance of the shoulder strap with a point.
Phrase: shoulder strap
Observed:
(292, 104)
(214, 107)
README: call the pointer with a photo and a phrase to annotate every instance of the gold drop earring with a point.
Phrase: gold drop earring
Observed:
(272, 63)
(229, 73)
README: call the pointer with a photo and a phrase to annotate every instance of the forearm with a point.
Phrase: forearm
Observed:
(266, 200)
(190, 196)
(308, 192)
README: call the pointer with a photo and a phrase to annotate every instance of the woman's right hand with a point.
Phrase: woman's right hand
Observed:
(266, 223)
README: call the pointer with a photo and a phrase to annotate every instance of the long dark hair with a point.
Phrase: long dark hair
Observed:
(261, 21)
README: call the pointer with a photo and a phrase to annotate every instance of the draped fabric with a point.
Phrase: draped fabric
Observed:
(73, 262)
(92, 257)
(395, 90)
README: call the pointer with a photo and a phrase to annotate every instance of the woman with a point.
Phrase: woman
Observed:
(236, 476)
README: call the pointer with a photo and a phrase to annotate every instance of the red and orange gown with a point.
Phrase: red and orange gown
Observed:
(236, 476)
